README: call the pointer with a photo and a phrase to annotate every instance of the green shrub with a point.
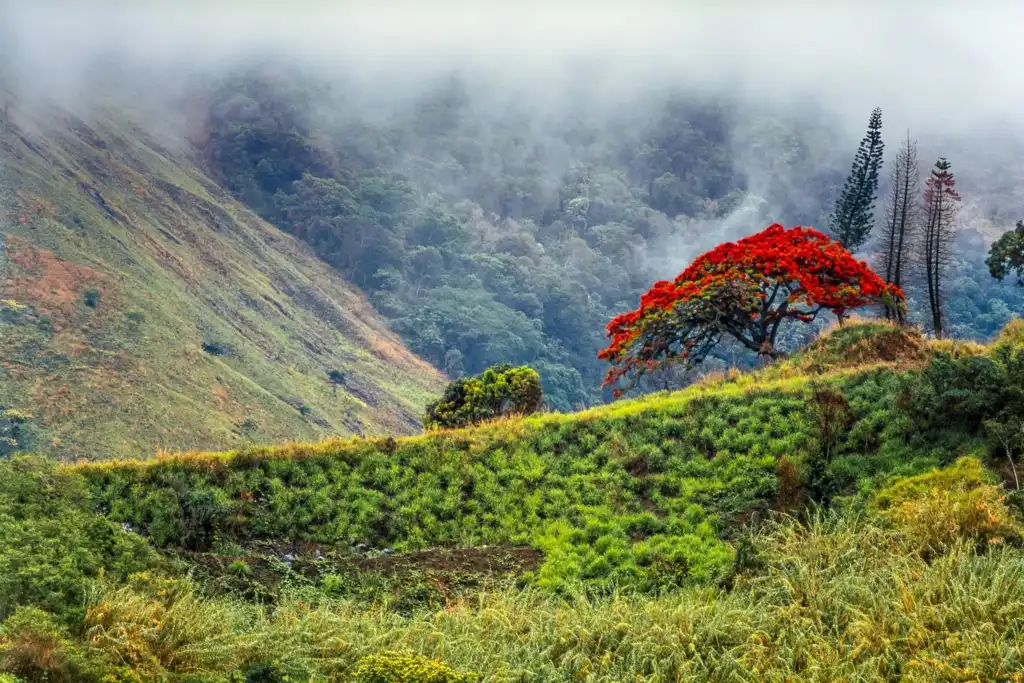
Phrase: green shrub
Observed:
(499, 391)
(266, 672)
(1006, 255)
(963, 392)
(36, 647)
(941, 508)
(51, 541)
(405, 667)
(217, 348)
(17, 433)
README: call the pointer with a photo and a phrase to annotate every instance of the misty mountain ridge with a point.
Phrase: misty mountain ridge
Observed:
(487, 233)
(498, 210)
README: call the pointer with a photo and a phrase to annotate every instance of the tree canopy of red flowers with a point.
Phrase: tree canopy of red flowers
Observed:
(745, 290)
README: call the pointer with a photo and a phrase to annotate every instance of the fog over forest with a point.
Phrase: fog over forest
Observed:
(933, 65)
(945, 70)
(541, 90)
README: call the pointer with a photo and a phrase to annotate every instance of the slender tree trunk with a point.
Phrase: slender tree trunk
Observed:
(929, 233)
(929, 265)
(936, 266)
(910, 187)
(941, 200)
(900, 220)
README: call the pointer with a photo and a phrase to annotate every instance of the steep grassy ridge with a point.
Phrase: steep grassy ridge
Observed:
(142, 308)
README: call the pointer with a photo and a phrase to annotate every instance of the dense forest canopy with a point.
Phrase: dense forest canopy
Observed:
(489, 235)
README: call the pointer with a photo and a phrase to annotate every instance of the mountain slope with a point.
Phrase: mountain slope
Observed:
(142, 308)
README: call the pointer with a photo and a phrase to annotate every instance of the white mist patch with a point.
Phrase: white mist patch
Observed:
(694, 236)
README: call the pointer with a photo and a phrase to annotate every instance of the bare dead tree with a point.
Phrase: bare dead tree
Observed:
(1008, 433)
(902, 217)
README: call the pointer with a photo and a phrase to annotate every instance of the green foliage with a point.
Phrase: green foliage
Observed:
(648, 571)
(500, 391)
(853, 217)
(36, 647)
(1007, 255)
(941, 508)
(92, 298)
(464, 237)
(17, 433)
(964, 391)
(638, 496)
(51, 541)
(978, 305)
(810, 594)
(406, 667)
(631, 497)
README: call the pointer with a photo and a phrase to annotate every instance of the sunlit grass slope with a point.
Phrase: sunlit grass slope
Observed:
(837, 599)
(142, 308)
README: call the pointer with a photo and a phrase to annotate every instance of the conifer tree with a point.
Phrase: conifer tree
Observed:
(940, 205)
(901, 219)
(851, 221)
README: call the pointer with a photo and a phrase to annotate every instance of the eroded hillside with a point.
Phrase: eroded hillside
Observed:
(142, 308)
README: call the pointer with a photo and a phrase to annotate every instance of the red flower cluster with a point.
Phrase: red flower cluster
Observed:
(744, 289)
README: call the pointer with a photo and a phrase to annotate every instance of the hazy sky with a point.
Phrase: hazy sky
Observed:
(929, 64)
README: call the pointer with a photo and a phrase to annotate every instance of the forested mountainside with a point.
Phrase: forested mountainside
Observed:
(487, 227)
(482, 225)
(141, 307)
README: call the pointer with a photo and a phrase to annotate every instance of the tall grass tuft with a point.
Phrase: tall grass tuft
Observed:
(840, 597)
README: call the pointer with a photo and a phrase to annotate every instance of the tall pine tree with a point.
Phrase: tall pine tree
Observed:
(941, 201)
(901, 219)
(851, 221)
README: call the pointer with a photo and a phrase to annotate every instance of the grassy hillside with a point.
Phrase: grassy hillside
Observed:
(842, 515)
(142, 308)
(640, 493)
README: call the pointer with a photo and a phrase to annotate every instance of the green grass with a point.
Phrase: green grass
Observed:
(637, 495)
(839, 598)
(169, 263)
(639, 541)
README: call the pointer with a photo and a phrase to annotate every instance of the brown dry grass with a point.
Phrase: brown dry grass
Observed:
(52, 285)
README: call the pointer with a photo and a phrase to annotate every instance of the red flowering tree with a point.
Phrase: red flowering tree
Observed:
(744, 290)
